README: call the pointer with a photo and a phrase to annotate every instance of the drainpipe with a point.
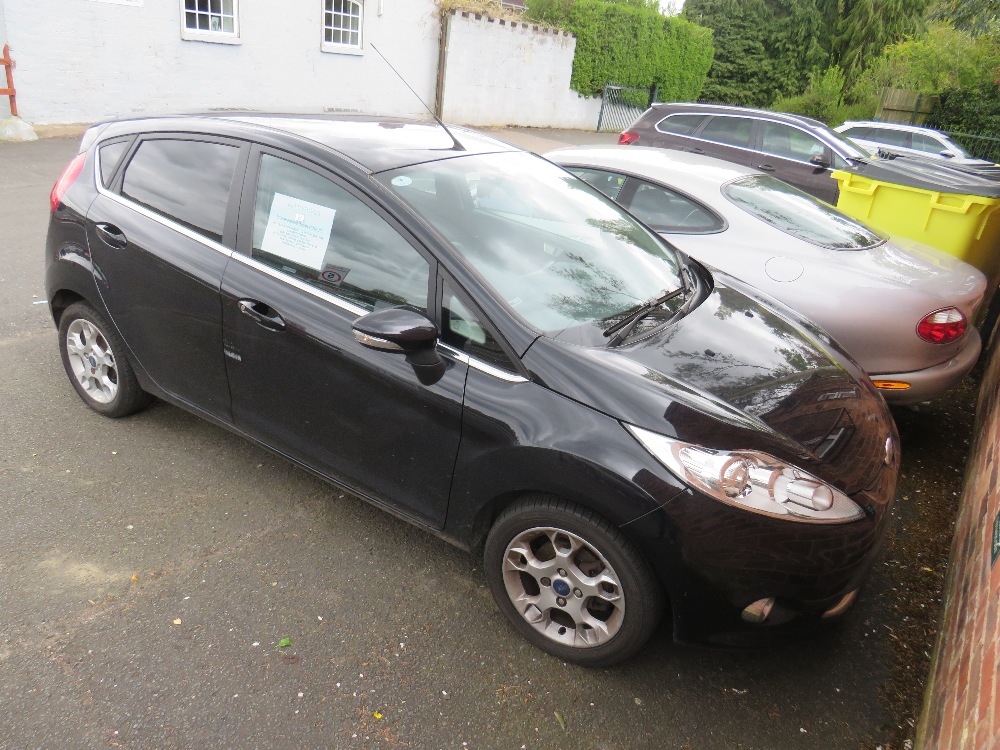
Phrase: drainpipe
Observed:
(442, 59)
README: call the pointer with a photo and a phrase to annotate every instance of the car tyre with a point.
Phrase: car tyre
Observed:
(93, 355)
(570, 582)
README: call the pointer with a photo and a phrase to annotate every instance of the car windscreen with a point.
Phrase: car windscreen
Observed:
(799, 214)
(559, 253)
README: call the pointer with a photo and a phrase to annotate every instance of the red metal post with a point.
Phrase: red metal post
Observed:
(9, 91)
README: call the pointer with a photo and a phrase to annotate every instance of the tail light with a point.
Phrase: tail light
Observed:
(943, 326)
(628, 137)
(67, 178)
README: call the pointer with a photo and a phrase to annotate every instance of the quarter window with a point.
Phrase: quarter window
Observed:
(187, 181)
(308, 227)
(110, 155)
(733, 131)
(463, 331)
(342, 24)
(210, 20)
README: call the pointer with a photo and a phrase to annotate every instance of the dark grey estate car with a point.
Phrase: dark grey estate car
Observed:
(799, 150)
(479, 342)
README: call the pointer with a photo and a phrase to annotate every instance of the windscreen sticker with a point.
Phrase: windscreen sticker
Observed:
(298, 231)
(402, 181)
(333, 274)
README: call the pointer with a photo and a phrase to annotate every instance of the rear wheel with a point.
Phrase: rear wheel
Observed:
(94, 359)
(570, 582)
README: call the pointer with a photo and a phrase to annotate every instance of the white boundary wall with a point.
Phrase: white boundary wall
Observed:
(88, 60)
(502, 73)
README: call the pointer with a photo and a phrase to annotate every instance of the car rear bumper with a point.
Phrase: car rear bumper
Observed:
(932, 382)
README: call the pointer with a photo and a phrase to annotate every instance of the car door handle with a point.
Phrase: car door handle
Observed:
(765, 167)
(111, 235)
(697, 150)
(261, 314)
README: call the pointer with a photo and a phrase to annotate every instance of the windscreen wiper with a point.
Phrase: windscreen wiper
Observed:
(620, 330)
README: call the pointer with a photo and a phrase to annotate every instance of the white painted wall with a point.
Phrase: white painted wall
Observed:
(4, 101)
(512, 74)
(88, 60)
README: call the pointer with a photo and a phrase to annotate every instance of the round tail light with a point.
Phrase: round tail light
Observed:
(943, 326)
(627, 137)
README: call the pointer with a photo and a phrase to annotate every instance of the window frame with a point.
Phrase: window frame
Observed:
(341, 47)
(244, 231)
(203, 35)
(632, 184)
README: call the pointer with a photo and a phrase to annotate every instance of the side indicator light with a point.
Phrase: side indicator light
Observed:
(891, 385)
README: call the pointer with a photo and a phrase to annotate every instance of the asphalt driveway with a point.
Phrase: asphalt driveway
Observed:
(151, 567)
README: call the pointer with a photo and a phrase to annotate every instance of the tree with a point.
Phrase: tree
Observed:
(866, 27)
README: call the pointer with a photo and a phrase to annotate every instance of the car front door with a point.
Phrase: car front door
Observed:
(314, 257)
(160, 237)
(797, 157)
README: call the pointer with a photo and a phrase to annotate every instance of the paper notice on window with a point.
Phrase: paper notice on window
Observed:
(298, 231)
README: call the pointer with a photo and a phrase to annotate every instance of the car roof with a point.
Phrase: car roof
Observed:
(890, 126)
(684, 169)
(695, 107)
(375, 143)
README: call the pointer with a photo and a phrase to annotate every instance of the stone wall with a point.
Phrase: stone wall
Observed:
(962, 703)
(500, 73)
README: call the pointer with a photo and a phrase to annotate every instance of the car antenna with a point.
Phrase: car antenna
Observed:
(458, 145)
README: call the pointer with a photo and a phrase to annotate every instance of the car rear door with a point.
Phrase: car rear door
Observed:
(160, 237)
(315, 255)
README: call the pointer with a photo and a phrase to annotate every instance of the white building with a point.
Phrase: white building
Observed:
(88, 60)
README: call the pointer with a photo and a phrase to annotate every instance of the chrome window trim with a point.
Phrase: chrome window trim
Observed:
(484, 367)
(157, 217)
(301, 285)
(746, 148)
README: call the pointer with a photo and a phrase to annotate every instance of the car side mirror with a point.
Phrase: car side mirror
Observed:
(820, 161)
(401, 330)
(947, 154)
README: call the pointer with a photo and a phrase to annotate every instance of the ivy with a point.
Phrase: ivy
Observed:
(629, 42)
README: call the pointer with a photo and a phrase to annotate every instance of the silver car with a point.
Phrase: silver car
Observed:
(903, 310)
(909, 140)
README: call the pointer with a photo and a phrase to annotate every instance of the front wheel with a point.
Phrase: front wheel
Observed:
(94, 357)
(571, 583)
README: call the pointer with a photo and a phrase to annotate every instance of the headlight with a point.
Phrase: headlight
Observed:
(751, 480)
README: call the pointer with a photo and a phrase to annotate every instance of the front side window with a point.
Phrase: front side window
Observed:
(187, 181)
(788, 142)
(210, 20)
(308, 227)
(733, 131)
(563, 257)
(927, 144)
(608, 183)
(342, 24)
(799, 214)
(668, 211)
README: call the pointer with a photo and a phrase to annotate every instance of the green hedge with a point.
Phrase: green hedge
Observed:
(631, 44)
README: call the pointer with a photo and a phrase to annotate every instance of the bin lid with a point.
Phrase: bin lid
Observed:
(928, 174)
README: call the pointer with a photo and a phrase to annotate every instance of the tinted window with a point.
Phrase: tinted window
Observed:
(463, 331)
(734, 131)
(608, 183)
(799, 214)
(667, 211)
(110, 155)
(680, 124)
(309, 227)
(791, 143)
(188, 181)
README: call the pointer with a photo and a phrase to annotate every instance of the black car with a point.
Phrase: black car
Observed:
(799, 150)
(477, 341)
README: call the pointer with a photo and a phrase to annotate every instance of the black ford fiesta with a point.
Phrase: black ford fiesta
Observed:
(470, 337)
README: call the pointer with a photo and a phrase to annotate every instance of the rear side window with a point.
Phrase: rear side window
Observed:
(667, 211)
(187, 181)
(733, 131)
(680, 124)
(923, 142)
(799, 214)
(889, 137)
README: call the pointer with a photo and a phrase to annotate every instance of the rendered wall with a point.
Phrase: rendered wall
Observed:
(502, 73)
(87, 60)
(962, 705)
(4, 101)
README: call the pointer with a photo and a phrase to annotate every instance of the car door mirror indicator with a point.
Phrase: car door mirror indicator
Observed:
(407, 331)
